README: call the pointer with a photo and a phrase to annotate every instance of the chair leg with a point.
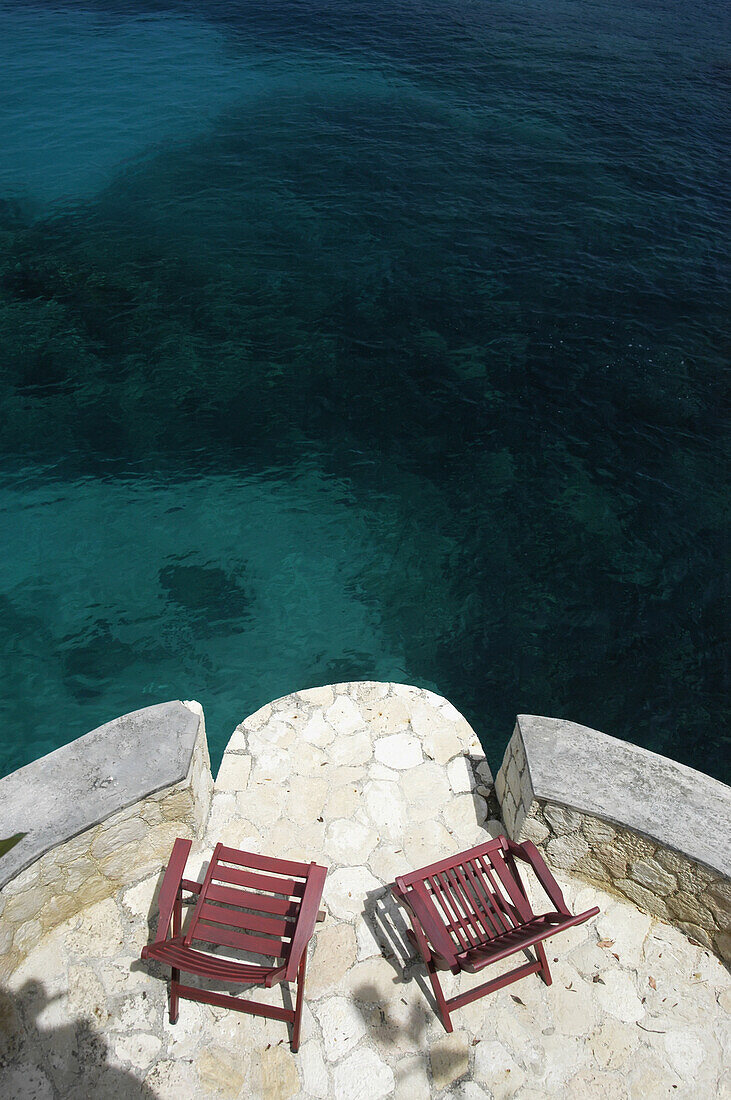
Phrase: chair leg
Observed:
(544, 972)
(418, 939)
(173, 998)
(298, 1003)
(439, 996)
(175, 976)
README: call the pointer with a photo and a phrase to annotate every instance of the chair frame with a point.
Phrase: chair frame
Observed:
(483, 915)
(258, 904)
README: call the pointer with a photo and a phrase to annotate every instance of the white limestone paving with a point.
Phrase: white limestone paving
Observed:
(372, 780)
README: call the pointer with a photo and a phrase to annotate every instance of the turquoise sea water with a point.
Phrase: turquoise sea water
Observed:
(343, 340)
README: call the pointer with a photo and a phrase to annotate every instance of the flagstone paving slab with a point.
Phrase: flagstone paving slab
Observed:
(372, 780)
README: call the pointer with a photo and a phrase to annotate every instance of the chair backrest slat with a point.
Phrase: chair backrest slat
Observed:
(496, 895)
(511, 887)
(246, 899)
(441, 892)
(210, 932)
(482, 926)
(264, 893)
(464, 903)
(247, 922)
(208, 877)
(435, 868)
(263, 863)
(286, 886)
(472, 869)
(477, 893)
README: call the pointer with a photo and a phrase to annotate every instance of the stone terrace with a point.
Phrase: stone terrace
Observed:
(372, 780)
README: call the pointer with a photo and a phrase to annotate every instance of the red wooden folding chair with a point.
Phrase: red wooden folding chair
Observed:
(250, 905)
(472, 910)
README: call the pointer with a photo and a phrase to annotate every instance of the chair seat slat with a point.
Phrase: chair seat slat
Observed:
(537, 929)
(247, 922)
(265, 903)
(209, 966)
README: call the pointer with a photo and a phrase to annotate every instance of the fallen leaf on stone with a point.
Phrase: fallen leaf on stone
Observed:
(596, 979)
(653, 983)
(605, 943)
(517, 1000)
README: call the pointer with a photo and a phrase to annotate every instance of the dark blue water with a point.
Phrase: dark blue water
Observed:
(349, 340)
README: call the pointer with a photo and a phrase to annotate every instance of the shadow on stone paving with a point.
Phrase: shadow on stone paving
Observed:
(55, 1058)
(387, 924)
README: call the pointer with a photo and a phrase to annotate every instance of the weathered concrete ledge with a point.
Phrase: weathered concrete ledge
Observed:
(616, 814)
(99, 813)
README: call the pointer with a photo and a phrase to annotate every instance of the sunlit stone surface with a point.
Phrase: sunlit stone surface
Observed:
(635, 1010)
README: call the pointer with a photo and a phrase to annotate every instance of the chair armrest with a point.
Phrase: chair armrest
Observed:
(308, 915)
(432, 927)
(528, 852)
(171, 884)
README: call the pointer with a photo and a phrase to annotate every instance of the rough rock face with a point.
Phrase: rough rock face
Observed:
(677, 814)
(122, 848)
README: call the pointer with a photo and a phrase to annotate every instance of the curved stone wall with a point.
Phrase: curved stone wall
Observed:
(625, 818)
(99, 814)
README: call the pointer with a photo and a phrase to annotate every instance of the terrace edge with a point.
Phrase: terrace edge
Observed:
(101, 814)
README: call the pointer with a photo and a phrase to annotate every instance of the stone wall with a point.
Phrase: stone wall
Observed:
(629, 820)
(99, 815)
